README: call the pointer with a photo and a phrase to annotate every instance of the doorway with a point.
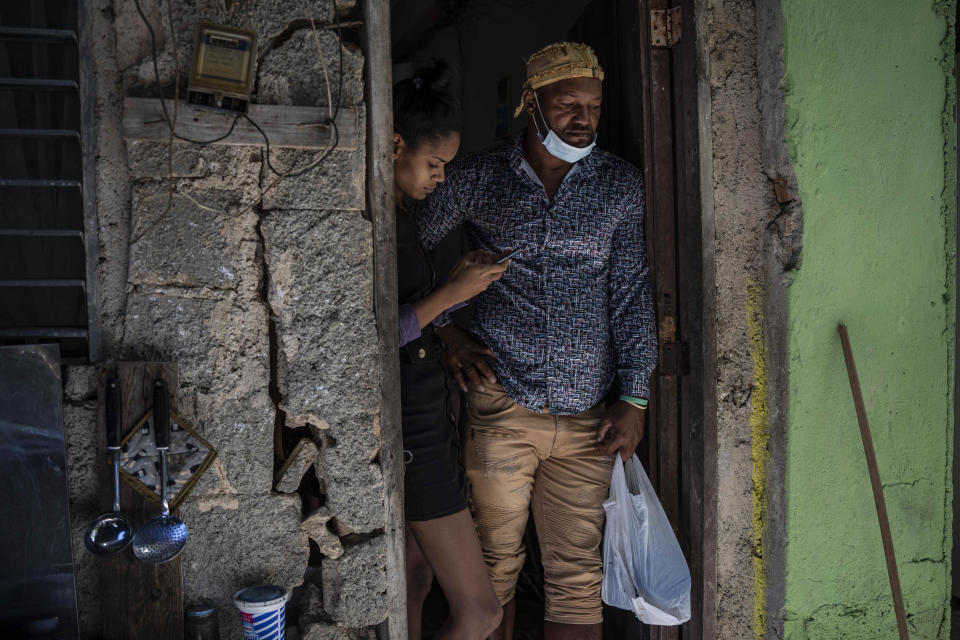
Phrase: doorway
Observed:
(649, 118)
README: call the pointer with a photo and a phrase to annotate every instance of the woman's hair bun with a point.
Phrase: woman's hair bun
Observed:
(437, 78)
(424, 106)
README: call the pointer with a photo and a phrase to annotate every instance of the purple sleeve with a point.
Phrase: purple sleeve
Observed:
(443, 319)
(409, 324)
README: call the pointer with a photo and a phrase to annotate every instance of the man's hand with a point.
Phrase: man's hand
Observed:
(465, 358)
(621, 428)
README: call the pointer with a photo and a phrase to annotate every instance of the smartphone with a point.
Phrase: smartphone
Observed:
(512, 253)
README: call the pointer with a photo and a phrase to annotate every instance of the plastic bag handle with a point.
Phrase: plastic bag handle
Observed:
(618, 480)
(621, 495)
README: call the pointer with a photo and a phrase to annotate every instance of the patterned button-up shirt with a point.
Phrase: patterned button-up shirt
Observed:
(574, 308)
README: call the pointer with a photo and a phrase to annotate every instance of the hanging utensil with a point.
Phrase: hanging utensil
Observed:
(111, 532)
(162, 538)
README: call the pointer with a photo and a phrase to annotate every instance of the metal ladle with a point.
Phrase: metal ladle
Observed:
(111, 532)
(162, 538)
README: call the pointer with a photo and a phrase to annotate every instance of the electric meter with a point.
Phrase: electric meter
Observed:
(222, 74)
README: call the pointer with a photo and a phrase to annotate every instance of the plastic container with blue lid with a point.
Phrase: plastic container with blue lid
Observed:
(263, 611)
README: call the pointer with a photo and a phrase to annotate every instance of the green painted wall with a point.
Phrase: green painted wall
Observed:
(867, 88)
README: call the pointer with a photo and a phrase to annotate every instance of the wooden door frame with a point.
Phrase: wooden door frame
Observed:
(686, 402)
(381, 209)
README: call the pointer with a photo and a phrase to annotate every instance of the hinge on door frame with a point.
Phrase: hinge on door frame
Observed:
(674, 359)
(665, 27)
(674, 356)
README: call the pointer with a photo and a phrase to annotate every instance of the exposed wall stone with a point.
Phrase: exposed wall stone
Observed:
(336, 184)
(187, 246)
(135, 46)
(315, 526)
(328, 631)
(355, 490)
(149, 160)
(293, 73)
(355, 585)
(318, 625)
(320, 290)
(320, 265)
(79, 383)
(296, 465)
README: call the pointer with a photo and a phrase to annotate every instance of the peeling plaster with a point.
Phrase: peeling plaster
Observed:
(222, 497)
(760, 436)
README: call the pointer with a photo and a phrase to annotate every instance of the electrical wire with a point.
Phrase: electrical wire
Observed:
(331, 120)
(308, 167)
(163, 104)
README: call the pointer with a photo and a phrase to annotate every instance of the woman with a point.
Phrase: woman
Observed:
(441, 538)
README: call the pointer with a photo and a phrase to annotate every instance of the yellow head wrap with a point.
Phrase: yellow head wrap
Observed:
(560, 61)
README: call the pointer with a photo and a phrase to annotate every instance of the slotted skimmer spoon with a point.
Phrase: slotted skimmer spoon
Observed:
(164, 536)
(111, 532)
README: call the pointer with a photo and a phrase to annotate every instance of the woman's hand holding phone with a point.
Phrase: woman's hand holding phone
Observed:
(475, 271)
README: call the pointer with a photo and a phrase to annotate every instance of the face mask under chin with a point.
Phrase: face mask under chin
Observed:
(555, 146)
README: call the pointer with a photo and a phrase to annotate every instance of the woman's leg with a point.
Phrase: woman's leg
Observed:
(505, 630)
(419, 581)
(450, 546)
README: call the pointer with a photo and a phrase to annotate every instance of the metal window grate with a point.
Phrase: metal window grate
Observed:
(48, 245)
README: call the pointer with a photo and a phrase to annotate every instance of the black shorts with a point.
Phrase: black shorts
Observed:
(435, 482)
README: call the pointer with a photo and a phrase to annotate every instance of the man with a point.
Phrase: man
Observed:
(572, 311)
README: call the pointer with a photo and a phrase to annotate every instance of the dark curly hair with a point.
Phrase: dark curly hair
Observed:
(425, 107)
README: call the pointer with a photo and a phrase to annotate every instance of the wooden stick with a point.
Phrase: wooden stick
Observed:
(875, 483)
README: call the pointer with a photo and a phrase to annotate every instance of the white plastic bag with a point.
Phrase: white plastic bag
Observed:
(644, 568)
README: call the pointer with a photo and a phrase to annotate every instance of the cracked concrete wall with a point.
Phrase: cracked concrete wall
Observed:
(267, 310)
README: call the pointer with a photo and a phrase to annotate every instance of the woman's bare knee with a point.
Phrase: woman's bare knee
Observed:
(480, 617)
(419, 580)
(419, 573)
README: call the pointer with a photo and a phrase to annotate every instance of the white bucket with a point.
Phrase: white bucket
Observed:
(263, 609)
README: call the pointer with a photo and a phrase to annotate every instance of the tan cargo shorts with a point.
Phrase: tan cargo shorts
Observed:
(516, 458)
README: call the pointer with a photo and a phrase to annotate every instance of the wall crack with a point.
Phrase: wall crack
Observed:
(273, 387)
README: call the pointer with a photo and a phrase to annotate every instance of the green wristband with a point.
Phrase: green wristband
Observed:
(637, 402)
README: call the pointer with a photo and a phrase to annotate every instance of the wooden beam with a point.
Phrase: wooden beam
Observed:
(286, 126)
(91, 220)
(382, 210)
